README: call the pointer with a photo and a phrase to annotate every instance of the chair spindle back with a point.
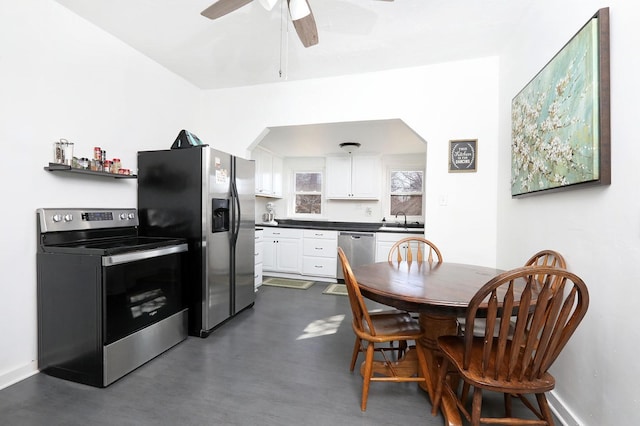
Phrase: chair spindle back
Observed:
(548, 314)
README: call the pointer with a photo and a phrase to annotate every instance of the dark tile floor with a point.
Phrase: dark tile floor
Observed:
(283, 362)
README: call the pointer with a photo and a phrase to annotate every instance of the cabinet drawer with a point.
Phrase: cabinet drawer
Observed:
(316, 233)
(319, 266)
(258, 252)
(392, 237)
(320, 248)
(282, 233)
(257, 278)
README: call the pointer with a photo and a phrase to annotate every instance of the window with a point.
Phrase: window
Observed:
(406, 192)
(308, 193)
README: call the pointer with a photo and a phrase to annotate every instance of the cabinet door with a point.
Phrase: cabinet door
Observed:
(384, 242)
(288, 255)
(269, 251)
(382, 250)
(338, 177)
(263, 171)
(353, 177)
(276, 176)
(365, 177)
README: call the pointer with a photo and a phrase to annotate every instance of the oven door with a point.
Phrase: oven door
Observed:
(141, 288)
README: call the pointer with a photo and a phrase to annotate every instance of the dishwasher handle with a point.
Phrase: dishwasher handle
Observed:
(356, 234)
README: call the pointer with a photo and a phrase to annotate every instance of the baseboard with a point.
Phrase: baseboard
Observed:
(266, 274)
(564, 415)
(12, 377)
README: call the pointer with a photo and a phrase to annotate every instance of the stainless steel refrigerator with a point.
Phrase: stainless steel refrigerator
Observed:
(207, 197)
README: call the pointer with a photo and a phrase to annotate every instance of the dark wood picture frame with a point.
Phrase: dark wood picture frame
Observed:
(463, 155)
(561, 124)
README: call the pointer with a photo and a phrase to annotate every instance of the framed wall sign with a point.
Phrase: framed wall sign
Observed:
(560, 121)
(463, 155)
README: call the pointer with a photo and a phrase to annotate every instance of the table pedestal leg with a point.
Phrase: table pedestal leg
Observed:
(435, 326)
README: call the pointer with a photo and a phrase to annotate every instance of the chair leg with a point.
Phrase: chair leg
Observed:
(356, 351)
(544, 408)
(368, 370)
(476, 407)
(402, 348)
(465, 392)
(507, 405)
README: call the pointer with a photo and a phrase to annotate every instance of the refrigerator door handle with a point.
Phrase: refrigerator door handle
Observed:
(236, 219)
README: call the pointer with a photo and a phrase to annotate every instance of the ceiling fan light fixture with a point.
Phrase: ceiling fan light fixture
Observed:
(298, 9)
(349, 146)
(268, 4)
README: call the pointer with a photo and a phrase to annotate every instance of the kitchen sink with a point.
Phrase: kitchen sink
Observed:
(401, 228)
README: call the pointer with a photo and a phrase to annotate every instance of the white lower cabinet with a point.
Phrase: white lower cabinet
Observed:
(320, 253)
(300, 253)
(259, 255)
(386, 240)
(282, 248)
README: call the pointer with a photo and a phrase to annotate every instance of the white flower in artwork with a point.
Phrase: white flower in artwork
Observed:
(553, 123)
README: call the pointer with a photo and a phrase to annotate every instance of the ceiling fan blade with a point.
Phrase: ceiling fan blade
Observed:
(222, 7)
(305, 26)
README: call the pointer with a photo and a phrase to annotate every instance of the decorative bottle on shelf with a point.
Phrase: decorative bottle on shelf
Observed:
(116, 165)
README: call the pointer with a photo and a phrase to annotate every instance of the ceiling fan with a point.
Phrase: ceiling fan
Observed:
(300, 12)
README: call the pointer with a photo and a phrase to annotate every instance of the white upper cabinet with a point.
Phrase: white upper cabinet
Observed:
(268, 173)
(353, 177)
(276, 176)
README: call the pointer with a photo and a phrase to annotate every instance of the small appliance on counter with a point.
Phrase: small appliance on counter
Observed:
(269, 218)
(109, 300)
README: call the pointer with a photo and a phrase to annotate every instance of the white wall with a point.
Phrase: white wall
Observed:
(440, 103)
(597, 229)
(63, 78)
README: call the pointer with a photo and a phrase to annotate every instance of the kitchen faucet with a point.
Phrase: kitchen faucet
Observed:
(405, 217)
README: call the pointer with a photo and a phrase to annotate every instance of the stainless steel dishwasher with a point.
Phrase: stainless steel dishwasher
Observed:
(360, 248)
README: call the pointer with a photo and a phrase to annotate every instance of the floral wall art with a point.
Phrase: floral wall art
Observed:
(560, 120)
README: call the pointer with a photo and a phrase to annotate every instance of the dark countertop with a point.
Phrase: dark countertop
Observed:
(412, 228)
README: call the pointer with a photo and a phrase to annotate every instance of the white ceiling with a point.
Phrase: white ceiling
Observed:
(317, 140)
(355, 36)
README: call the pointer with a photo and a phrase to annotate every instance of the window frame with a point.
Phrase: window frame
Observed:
(295, 193)
(389, 193)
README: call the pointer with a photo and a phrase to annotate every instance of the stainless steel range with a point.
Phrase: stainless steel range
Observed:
(109, 300)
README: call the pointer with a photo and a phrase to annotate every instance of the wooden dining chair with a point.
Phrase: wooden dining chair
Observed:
(544, 257)
(414, 248)
(547, 258)
(372, 330)
(547, 314)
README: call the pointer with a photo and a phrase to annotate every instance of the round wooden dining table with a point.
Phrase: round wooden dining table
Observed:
(439, 293)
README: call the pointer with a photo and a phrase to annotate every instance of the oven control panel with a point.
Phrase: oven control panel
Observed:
(54, 220)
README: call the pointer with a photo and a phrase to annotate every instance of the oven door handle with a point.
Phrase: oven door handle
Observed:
(141, 255)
